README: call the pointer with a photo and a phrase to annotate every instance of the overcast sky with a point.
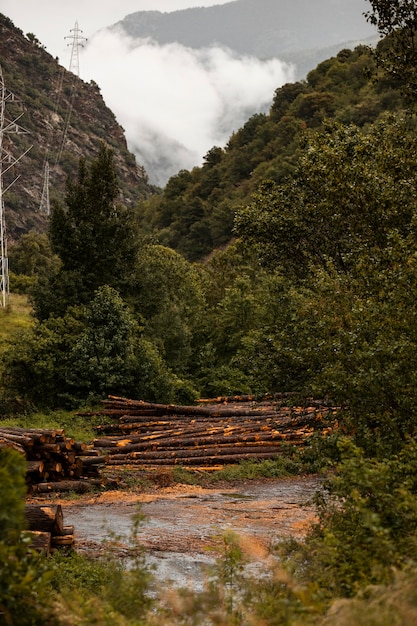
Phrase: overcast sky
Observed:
(51, 20)
(174, 103)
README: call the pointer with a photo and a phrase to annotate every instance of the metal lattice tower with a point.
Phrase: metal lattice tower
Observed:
(77, 42)
(45, 206)
(7, 161)
(74, 67)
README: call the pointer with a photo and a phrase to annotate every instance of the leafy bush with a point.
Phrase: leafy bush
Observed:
(367, 523)
(24, 575)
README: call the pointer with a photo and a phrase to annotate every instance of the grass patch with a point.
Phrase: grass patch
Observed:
(14, 318)
(280, 467)
(78, 427)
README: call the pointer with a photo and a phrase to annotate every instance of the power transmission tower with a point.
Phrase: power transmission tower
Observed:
(74, 67)
(45, 206)
(77, 42)
(7, 161)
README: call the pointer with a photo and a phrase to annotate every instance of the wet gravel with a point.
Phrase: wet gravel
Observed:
(183, 526)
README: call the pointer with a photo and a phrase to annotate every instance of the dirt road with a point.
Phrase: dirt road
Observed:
(183, 525)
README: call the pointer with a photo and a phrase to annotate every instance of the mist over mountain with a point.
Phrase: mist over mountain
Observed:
(183, 82)
(260, 28)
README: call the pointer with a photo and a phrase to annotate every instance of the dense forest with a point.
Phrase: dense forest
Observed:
(287, 262)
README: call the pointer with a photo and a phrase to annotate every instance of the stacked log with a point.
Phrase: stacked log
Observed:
(55, 462)
(46, 528)
(149, 434)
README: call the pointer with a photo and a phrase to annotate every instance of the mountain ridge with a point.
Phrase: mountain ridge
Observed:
(261, 28)
(67, 119)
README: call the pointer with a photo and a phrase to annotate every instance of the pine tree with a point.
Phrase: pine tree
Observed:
(93, 235)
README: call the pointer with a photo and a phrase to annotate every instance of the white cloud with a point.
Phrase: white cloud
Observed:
(175, 103)
(51, 20)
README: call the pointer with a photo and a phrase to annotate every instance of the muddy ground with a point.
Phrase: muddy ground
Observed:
(182, 525)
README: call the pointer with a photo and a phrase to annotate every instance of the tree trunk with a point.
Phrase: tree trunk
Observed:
(45, 518)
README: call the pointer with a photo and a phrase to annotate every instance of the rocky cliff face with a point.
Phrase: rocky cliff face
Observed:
(65, 119)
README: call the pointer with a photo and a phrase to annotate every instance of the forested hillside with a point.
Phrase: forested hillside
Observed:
(65, 118)
(195, 212)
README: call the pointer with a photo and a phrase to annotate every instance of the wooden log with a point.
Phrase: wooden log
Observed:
(80, 446)
(40, 541)
(58, 541)
(87, 453)
(69, 458)
(197, 452)
(94, 460)
(35, 467)
(37, 434)
(6, 443)
(22, 440)
(53, 467)
(67, 444)
(240, 440)
(199, 460)
(170, 409)
(46, 518)
(78, 486)
(48, 447)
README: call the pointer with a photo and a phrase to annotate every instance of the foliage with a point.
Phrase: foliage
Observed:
(94, 238)
(24, 576)
(194, 212)
(343, 230)
(351, 189)
(169, 300)
(381, 605)
(90, 352)
(32, 255)
(12, 493)
(367, 523)
(397, 22)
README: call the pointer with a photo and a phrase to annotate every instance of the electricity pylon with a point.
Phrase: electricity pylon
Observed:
(7, 161)
(45, 206)
(77, 42)
(74, 67)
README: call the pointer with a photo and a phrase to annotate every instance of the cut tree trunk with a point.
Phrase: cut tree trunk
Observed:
(40, 541)
(45, 518)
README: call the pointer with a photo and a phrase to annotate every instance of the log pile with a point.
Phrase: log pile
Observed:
(55, 462)
(149, 434)
(46, 528)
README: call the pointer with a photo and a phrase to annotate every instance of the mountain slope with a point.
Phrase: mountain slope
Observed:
(262, 28)
(195, 212)
(66, 119)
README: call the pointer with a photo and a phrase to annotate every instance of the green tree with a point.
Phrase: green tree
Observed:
(367, 523)
(344, 231)
(170, 301)
(88, 353)
(350, 190)
(102, 358)
(32, 255)
(396, 20)
(31, 258)
(94, 237)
